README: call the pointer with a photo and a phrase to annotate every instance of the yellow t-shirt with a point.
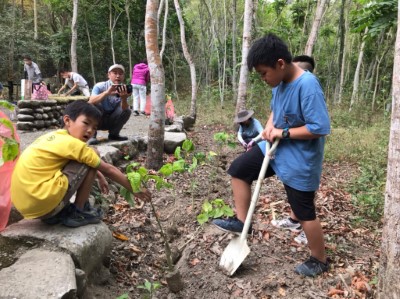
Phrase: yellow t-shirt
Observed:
(37, 184)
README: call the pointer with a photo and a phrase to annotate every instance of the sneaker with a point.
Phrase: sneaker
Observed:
(117, 137)
(301, 238)
(56, 219)
(136, 113)
(287, 224)
(96, 212)
(142, 113)
(93, 141)
(230, 225)
(312, 267)
(77, 217)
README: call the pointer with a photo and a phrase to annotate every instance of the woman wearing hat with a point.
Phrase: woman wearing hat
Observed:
(250, 129)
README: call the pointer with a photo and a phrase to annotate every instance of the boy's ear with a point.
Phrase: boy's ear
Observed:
(66, 120)
(281, 63)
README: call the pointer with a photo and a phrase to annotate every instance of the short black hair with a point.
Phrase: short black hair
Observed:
(307, 59)
(267, 51)
(63, 71)
(81, 107)
(27, 57)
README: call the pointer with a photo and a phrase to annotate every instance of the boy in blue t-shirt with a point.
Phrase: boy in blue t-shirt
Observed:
(300, 119)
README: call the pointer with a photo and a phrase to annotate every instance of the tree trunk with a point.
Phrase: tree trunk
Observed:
(90, 52)
(155, 147)
(234, 25)
(356, 81)
(164, 31)
(342, 32)
(188, 59)
(315, 27)
(35, 27)
(244, 71)
(389, 270)
(111, 27)
(128, 36)
(74, 38)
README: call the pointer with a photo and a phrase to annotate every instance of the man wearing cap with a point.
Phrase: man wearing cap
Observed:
(111, 98)
(250, 129)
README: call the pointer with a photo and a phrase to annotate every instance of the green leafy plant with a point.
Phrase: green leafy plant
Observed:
(223, 138)
(214, 209)
(9, 145)
(123, 296)
(150, 287)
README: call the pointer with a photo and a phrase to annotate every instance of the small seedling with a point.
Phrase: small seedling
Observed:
(215, 209)
(150, 287)
(223, 138)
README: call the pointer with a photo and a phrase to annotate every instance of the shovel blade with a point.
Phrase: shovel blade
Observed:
(233, 255)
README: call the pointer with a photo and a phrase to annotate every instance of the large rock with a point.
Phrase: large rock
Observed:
(172, 141)
(109, 153)
(87, 245)
(39, 274)
(30, 104)
(25, 117)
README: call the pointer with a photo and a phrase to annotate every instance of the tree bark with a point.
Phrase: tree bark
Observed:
(35, 27)
(356, 81)
(155, 147)
(188, 59)
(128, 35)
(389, 270)
(90, 52)
(234, 59)
(74, 38)
(164, 31)
(315, 27)
(244, 71)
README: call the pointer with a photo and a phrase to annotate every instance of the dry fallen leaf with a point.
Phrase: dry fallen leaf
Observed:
(282, 292)
(120, 236)
(194, 262)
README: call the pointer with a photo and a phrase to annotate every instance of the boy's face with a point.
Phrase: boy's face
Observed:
(28, 62)
(83, 128)
(64, 75)
(272, 76)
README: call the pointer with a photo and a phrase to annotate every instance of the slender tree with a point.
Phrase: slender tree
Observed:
(234, 61)
(244, 71)
(389, 270)
(35, 21)
(74, 38)
(189, 60)
(155, 145)
(315, 27)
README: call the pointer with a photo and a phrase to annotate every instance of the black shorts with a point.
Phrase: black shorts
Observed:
(247, 167)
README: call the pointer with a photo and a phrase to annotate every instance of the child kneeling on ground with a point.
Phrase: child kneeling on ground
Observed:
(60, 163)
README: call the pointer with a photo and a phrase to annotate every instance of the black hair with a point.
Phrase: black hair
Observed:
(81, 107)
(27, 57)
(63, 71)
(267, 51)
(307, 59)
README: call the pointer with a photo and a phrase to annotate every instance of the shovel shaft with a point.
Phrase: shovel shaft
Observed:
(254, 198)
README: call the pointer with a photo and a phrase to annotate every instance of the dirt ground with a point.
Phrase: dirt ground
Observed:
(267, 272)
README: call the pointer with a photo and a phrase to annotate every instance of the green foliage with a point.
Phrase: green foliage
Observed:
(10, 146)
(150, 287)
(123, 296)
(214, 209)
(362, 139)
(223, 138)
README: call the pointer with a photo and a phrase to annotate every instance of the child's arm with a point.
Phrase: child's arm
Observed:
(117, 176)
(102, 183)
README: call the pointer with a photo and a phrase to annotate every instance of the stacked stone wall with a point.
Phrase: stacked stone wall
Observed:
(39, 114)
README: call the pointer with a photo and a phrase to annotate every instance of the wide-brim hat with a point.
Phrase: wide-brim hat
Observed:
(243, 116)
(116, 66)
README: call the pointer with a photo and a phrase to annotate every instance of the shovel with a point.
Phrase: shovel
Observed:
(237, 250)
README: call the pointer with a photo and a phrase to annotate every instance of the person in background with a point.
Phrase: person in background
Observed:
(32, 71)
(306, 62)
(291, 223)
(111, 98)
(60, 163)
(299, 118)
(140, 78)
(75, 82)
(250, 129)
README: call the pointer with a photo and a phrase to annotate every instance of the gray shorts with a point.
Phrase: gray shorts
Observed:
(76, 173)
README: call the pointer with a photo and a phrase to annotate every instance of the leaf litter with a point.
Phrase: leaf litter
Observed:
(138, 251)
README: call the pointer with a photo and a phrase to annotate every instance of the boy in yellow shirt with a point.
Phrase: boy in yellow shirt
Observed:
(60, 163)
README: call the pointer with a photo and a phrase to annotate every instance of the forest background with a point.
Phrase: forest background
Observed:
(353, 50)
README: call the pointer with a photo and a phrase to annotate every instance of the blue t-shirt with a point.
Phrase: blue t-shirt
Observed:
(109, 103)
(252, 130)
(298, 163)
